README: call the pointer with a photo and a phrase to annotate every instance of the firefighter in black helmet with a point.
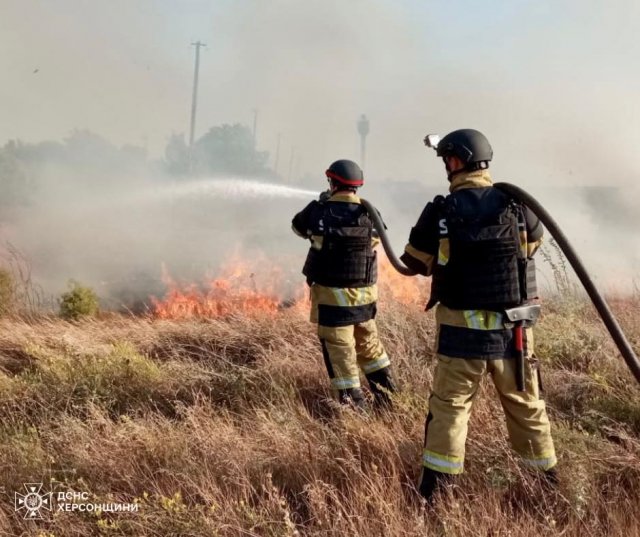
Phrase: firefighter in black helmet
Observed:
(477, 244)
(341, 271)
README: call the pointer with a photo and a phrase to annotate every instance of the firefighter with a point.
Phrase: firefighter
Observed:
(478, 246)
(341, 271)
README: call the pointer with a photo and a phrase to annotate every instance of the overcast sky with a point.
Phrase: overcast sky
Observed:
(553, 84)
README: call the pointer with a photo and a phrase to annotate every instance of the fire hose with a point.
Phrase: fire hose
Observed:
(554, 229)
(380, 227)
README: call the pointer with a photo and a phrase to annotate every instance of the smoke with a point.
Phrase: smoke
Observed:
(547, 82)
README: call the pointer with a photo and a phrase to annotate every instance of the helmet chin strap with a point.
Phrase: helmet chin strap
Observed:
(452, 174)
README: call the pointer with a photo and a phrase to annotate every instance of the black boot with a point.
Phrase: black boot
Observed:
(550, 478)
(352, 396)
(551, 475)
(432, 481)
(381, 385)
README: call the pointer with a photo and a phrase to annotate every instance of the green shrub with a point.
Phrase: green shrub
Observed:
(118, 381)
(79, 301)
(7, 291)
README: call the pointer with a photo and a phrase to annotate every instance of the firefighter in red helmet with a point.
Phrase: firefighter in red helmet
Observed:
(341, 271)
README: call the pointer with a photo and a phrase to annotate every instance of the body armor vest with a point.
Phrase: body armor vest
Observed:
(346, 258)
(487, 267)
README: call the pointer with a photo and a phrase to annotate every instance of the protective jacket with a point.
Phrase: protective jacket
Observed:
(345, 257)
(488, 267)
(341, 265)
(478, 246)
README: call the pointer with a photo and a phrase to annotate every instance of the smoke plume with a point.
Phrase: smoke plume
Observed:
(555, 102)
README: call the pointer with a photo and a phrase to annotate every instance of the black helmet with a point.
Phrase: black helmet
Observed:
(469, 145)
(346, 172)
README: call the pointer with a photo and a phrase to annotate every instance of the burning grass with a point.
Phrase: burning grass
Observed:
(245, 287)
(241, 287)
(225, 426)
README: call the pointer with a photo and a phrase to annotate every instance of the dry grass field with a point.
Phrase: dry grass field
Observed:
(225, 427)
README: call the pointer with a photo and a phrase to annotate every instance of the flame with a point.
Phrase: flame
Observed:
(394, 287)
(244, 287)
(220, 300)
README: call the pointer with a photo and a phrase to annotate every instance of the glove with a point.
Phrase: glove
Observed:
(324, 196)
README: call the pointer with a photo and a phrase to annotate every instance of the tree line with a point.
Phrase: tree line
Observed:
(222, 150)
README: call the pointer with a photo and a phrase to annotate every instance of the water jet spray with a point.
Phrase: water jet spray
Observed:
(238, 188)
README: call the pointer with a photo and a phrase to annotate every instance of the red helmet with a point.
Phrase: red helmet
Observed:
(346, 172)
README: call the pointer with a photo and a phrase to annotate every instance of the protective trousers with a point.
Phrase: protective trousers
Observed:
(455, 385)
(346, 350)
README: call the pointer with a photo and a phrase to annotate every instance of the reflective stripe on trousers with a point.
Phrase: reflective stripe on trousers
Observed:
(345, 383)
(349, 349)
(545, 462)
(442, 463)
(376, 365)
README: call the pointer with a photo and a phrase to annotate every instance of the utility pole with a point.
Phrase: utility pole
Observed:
(194, 97)
(298, 166)
(255, 126)
(275, 164)
(293, 154)
(363, 129)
